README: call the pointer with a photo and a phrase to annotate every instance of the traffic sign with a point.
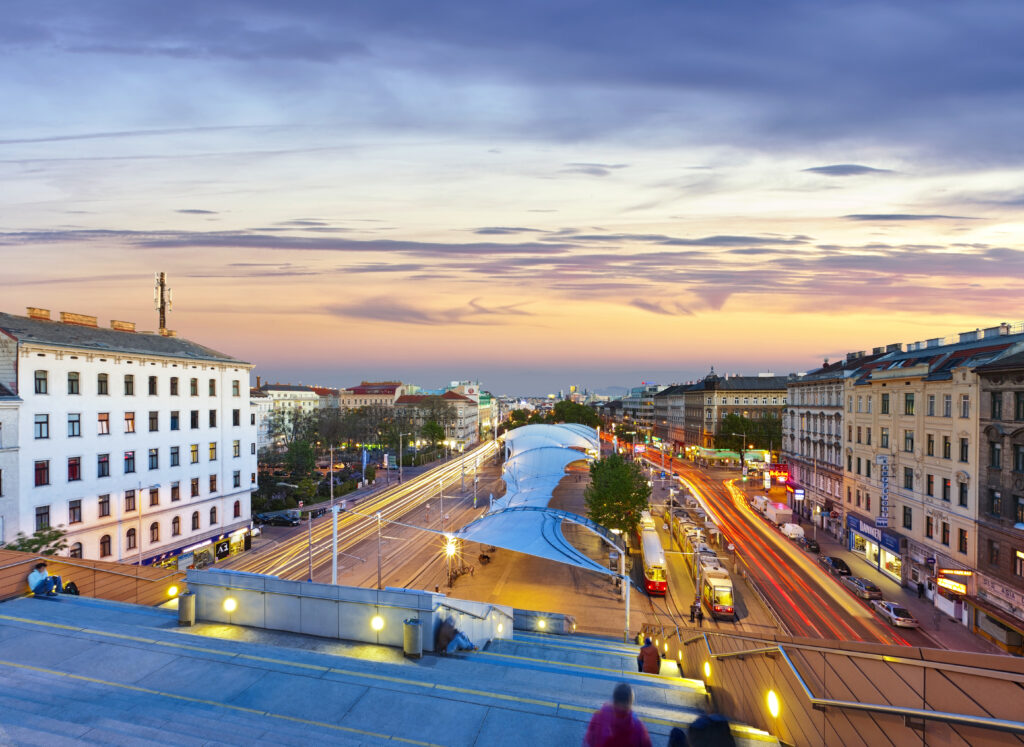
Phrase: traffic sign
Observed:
(301, 503)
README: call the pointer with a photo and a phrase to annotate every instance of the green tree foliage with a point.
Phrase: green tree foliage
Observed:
(301, 457)
(763, 433)
(433, 432)
(617, 494)
(568, 411)
(47, 541)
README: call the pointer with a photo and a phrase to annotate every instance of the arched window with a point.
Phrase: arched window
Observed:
(238, 509)
(213, 515)
(195, 520)
(176, 526)
(130, 539)
(76, 550)
(105, 546)
(154, 532)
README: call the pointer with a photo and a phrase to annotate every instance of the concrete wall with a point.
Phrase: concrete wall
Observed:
(343, 612)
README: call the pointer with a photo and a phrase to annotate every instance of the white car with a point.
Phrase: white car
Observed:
(895, 614)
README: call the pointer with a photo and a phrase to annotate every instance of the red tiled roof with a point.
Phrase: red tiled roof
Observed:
(324, 391)
(455, 396)
(410, 399)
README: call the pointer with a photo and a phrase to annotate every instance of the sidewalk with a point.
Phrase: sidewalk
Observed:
(943, 630)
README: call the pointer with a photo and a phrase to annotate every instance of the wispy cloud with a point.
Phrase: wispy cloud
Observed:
(665, 308)
(474, 312)
(881, 217)
(846, 169)
(592, 169)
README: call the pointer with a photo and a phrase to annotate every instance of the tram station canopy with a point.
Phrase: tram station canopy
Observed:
(536, 460)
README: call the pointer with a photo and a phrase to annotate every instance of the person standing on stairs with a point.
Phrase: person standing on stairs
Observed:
(649, 659)
(615, 724)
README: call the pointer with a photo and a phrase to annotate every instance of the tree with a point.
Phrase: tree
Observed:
(568, 411)
(301, 458)
(48, 541)
(432, 432)
(617, 494)
(763, 433)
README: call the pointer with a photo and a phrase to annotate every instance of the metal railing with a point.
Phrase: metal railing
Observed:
(484, 616)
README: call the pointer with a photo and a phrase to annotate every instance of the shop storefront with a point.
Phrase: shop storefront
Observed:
(880, 547)
(206, 552)
(997, 613)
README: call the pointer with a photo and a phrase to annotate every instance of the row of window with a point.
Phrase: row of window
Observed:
(994, 549)
(930, 527)
(909, 407)
(41, 423)
(131, 537)
(908, 444)
(130, 504)
(995, 456)
(996, 402)
(42, 384)
(42, 466)
(908, 484)
(746, 400)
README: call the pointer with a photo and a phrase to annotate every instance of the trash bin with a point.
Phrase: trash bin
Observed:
(413, 638)
(187, 609)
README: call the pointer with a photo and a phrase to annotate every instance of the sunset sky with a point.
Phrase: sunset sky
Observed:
(533, 194)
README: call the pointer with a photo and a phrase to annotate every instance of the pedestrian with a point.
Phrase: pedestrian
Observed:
(700, 617)
(677, 738)
(920, 589)
(450, 639)
(615, 724)
(649, 658)
(42, 583)
(693, 611)
(710, 730)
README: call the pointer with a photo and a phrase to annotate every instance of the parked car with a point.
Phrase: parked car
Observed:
(277, 520)
(835, 566)
(862, 587)
(808, 544)
(894, 614)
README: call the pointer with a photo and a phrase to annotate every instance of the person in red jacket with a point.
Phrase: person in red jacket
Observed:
(649, 660)
(615, 724)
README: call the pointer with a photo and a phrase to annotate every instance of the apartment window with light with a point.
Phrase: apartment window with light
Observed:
(104, 505)
(103, 465)
(237, 479)
(213, 418)
(931, 405)
(195, 486)
(129, 385)
(130, 538)
(154, 459)
(129, 462)
(193, 387)
(74, 469)
(213, 483)
(175, 491)
(41, 382)
(195, 520)
(908, 403)
(908, 440)
(42, 426)
(947, 448)
(129, 422)
(194, 419)
(995, 455)
(213, 387)
(885, 404)
(103, 424)
(962, 493)
(102, 384)
(236, 448)
(947, 406)
(996, 400)
(908, 478)
(908, 517)
(964, 451)
(174, 386)
(1018, 563)
(42, 472)
(194, 453)
(252, 478)
(129, 500)
(883, 439)
(73, 383)
(213, 451)
(946, 485)
(961, 541)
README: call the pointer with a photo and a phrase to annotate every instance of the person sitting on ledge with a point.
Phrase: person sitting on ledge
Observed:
(450, 639)
(42, 583)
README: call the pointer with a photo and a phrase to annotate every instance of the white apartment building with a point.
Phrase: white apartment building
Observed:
(262, 406)
(141, 446)
(9, 407)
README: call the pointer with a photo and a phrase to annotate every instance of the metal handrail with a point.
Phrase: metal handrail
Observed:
(490, 609)
(68, 561)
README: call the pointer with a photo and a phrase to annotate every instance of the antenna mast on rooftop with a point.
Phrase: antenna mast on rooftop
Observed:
(162, 301)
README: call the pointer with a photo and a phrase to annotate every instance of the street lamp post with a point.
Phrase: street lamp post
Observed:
(440, 493)
(401, 454)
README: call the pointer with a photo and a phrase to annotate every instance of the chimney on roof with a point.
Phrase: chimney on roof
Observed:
(168, 333)
(896, 347)
(969, 336)
(877, 351)
(825, 364)
(81, 320)
(257, 382)
(122, 326)
(36, 313)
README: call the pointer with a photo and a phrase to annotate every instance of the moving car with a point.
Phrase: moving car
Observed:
(835, 566)
(862, 587)
(793, 531)
(894, 614)
(808, 544)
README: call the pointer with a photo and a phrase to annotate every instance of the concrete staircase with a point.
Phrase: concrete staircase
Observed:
(84, 671)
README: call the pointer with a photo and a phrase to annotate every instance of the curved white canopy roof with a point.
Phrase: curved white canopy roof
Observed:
(567, 434)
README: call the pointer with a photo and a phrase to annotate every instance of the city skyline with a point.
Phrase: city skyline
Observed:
(532, 196)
